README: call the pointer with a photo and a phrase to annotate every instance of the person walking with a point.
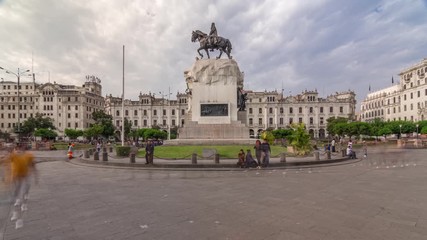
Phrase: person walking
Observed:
(333, 145)
(266, 151)
(258, 151)
(22, 166)
(70, 150)
(149, 152)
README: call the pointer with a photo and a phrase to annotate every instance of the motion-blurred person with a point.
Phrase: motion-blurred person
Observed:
(70, 150)
(265, 153)
(241, 158)
(149, 152)
(22, 166)
(257, 148)
(250, 161)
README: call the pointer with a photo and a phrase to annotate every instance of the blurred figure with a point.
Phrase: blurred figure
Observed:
(22, 166)
(257, 148)
(241, 157)
(250, 161)
(70, 150)
(265, 153)
(149, 152)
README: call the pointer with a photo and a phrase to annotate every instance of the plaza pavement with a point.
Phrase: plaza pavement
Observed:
(381, 197)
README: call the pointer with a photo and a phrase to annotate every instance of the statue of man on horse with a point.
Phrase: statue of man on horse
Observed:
(212, 42)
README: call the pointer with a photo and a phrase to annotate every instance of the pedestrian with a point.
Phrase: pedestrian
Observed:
(257, 148)
(241, 158)
(333, 145)
(266, 151)
(22, 166)
(350, 153)
(365, 149)
(149, 152)
(249, 160)
(70, 150)
(98, 146)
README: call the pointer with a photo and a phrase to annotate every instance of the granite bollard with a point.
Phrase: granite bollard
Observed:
(194, 158)
(96, 156)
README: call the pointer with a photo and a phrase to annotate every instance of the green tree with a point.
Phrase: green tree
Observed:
(331, 122)
(73, 133)
(128, 128)
(155, 134)
(95, 131)
(106, 121)
(424, 130)
(45, 133)
(375, 127)
(300, 139)
(384, 131)
(37, 122)
(4, 135)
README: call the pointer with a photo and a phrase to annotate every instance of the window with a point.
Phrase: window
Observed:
(182, 112)
(300, 120)
(321, 109)
(173, 112)
(77, 107)
(173, 122)
(69, 107)
(404, 107)
(164, 113)
(418, 94)
(311, 121)
(412, 106)
(412, 95)
(135, 123)
(77, 115)
(291, 120)
(270, 120)
(250, 110)
(331, 109)
(270, 110)
(321, 121)
(311, 109)
(164, 122)
(155, 122)
(259, 121)
(69, 125)
(126, 113)
(300, 109)
(69, 115)
(117, 113)
(250, 121)
(135, 112)
(154, 112)
(76, 125)
(291, 110)
(117, 123)
(145, 112)
(145, 122)
(341, 109)
(281, 121)
(281, 110)
(260, 110)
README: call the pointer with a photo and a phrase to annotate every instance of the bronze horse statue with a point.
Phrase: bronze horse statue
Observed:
(222, 44)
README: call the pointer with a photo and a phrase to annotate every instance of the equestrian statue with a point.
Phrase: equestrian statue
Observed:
(211, 42)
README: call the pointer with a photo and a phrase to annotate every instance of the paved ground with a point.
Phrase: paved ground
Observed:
(381, 197)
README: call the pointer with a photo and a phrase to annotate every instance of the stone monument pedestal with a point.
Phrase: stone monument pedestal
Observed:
(213, 115)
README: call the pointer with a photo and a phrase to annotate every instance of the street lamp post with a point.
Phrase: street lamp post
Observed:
(400, 135)
(18, 75)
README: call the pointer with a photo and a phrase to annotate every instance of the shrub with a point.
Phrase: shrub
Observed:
(123, 151)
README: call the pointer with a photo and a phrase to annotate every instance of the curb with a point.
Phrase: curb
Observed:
(209, 167)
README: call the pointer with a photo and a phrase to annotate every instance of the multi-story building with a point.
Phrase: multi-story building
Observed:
(69, 106)
(265, 110)
(406, 100)
(272, 110)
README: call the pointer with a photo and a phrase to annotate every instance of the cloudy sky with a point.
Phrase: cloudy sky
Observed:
(328, 45)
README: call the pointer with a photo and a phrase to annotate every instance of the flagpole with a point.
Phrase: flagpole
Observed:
(123, 100)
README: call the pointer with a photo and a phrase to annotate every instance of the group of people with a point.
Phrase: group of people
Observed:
(19, 166)
(262, 155)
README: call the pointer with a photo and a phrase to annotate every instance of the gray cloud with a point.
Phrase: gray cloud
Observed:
(329, 45)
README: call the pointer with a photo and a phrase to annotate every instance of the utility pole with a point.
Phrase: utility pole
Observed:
(123, 99)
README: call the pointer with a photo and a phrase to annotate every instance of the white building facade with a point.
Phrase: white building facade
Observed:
(407, 100)
(68, 106)
(264, 110)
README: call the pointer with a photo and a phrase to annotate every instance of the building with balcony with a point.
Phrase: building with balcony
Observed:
(407, 100)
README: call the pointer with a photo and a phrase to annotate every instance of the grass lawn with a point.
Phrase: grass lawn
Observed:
(77, 146)
(225, 151)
